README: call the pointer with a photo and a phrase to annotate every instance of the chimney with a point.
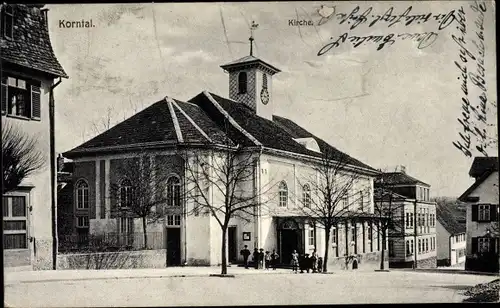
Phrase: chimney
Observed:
(60, 163)
(403, 169)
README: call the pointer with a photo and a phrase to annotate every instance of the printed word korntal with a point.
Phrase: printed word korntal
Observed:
(70, 24)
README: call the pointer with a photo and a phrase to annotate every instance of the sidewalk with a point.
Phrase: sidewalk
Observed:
(13, 277)
(450, 270)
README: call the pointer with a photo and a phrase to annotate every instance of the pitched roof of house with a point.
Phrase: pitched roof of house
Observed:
(465, 196)
(207, 119)
(277, 134)
(480, 165)
(168, 121)
(449, 220)
(247, 60)
(400, 178)
(31, 46)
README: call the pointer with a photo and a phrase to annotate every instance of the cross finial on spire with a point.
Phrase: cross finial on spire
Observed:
(253, 26)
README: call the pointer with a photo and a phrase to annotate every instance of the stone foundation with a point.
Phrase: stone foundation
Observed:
(198, 262)
(427, 263)
(114, 260)
(42, 254)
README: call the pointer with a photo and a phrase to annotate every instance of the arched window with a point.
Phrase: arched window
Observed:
(306, 196)
(126, 193)
(82, 195)
(173, 191)
(242, 83)
(283, 194)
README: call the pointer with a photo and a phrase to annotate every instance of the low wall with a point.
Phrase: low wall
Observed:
(366, 261)
(114, 260)
(421, 263)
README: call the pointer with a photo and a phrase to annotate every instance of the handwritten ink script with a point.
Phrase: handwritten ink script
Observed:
(471, 68)
(355, 18)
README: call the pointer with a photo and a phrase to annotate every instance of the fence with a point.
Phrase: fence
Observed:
(107, 242)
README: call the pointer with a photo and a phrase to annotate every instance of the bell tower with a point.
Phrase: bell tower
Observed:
(250, 81)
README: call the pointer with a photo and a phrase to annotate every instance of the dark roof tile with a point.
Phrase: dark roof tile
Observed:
(448, 218)
(481, 165)
(399, 178)
(31, 46)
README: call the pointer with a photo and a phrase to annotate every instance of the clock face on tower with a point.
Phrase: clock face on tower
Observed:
(264, 96)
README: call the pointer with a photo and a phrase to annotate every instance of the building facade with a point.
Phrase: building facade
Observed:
(28, 70)
(450, 237)
(482, 215)
(412, 237)
(283, 159)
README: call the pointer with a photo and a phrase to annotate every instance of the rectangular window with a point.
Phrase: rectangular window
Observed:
(173, 220)
(407, 220)
(361, 202)
(311, 236)
(426, 244)
(411, 220)
(484, 212)
(419, 246)
(82, 221)
(483, 244)
(354, 237)
(412, 246)
(408, 248)
(15, 235)
(8, 22)
(335, 236)
(126, 225)
(16, 98)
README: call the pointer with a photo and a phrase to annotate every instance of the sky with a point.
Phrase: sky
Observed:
(399, 105)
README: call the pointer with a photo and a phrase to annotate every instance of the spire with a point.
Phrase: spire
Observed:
(253, 26)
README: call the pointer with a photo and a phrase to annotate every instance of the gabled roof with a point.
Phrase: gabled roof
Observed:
(449, 220)
(465, 196)
(481, 165)
(208, 119)
(400, 178)
(249, 60)
(31, 46)
(278, 134)
(168, 121)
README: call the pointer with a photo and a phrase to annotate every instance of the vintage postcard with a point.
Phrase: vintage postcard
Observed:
(267, 153)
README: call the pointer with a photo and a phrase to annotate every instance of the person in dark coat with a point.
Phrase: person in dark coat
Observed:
(308, 263)
(274, 259)
(245, 253)
(261, 258)
(320, 264)
(255, 258)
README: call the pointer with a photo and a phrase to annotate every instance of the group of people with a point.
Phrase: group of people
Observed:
(260, 259)
(266, 260)
(307, 263)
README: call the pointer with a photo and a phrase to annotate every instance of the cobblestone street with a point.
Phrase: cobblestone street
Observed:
(247, 288)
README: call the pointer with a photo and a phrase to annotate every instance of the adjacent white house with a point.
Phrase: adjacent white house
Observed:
(451, 238)
(283, 154)
(482, 215)
(28, 72)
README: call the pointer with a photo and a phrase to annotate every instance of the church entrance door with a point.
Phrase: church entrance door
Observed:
(290, 240)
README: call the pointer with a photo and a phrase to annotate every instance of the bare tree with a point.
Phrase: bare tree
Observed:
(105, 122)
(387, 214)
(141, 190)
(222, 184)
(21, 156)
(328, 195)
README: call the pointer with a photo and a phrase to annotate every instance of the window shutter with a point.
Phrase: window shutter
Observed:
(35, 102)
(493, 212)
(474, 212)
(4, 97)
(474, 245)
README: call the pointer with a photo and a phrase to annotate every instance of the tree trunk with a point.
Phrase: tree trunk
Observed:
(224, 259)
(327, 248)
(145, 234)
(382, 257)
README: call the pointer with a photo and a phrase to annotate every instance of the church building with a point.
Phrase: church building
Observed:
(284, 153)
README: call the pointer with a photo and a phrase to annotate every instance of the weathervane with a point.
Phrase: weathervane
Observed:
(253, 26)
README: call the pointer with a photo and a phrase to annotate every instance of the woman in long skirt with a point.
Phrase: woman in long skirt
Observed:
(295, 261)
